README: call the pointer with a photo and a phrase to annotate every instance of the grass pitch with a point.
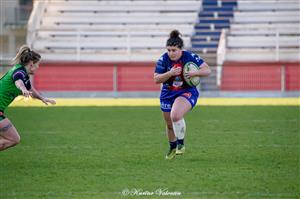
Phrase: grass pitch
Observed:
(118, 152)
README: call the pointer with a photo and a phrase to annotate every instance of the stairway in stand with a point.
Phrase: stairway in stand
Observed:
(213, 17)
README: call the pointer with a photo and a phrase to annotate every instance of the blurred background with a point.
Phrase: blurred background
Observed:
(108, 48)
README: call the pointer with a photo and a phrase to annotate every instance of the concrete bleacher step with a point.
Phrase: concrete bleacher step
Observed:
(208, 33)
(108, 34)
(289, 41)
(217, 8)
(109, 27)
(215, 14)
(204, 39)
(205, 45)
(258, 27)
(204, 50)
(117, 27)
(114, 43)
(266, 30)
(269, 5)
(140, 19)
(211, 26)
(123, 6)
(219, 2)
(265, 55)
(267, 17)
(213, 20)
(119, 15)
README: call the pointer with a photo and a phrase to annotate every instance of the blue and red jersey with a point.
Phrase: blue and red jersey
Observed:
(176, 84)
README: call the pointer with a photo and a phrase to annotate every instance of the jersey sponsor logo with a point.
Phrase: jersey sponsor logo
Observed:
(177, 65)
(165, 106)
(177, 82)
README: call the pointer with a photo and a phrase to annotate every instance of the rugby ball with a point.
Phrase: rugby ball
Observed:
(192, 81)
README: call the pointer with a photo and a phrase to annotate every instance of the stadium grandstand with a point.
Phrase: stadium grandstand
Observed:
(251, 45)
(91, 123)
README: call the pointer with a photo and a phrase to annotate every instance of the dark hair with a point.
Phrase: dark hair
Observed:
(175, 39)
(25, 55)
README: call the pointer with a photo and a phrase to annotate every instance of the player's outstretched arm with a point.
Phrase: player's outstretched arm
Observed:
(45, 100)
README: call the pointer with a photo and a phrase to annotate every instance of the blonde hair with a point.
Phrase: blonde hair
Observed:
(25, 55)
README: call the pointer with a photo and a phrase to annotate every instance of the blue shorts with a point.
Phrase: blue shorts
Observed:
(166, 103)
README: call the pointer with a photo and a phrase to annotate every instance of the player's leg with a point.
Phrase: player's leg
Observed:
(169, 126)
(180, 107)
(9, 136)
(166, 106)
(171, 136)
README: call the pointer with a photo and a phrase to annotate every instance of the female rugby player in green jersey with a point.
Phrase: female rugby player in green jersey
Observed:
(17, 82)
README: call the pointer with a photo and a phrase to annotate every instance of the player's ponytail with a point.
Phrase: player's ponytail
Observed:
(25, 55)
(175, 39)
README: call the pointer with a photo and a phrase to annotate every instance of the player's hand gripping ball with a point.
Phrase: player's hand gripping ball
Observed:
(190, 67)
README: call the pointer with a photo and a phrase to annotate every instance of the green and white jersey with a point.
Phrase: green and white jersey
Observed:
(8, 89)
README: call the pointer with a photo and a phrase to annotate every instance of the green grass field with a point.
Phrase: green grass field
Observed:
(100, 152)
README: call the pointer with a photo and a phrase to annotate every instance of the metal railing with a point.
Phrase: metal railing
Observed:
(34, 21)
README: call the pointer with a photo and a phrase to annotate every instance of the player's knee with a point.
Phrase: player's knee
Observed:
(176, 117)
(16, 140)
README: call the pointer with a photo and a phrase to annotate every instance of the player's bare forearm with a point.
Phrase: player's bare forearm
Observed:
(45, 100)
(161, 78)
(36, 94)
(20, 85)
(204, 71)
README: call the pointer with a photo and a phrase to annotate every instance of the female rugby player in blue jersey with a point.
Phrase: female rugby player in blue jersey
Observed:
(17, 82)
(177, 97)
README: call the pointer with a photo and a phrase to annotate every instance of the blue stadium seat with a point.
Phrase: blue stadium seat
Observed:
(214, 16)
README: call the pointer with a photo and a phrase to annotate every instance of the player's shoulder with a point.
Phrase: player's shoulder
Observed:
(19, 69)
(163, 58)
(190, 54)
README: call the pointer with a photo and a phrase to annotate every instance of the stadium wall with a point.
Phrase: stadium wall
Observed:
(84, 76)
(138, 76)
(273, 76)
